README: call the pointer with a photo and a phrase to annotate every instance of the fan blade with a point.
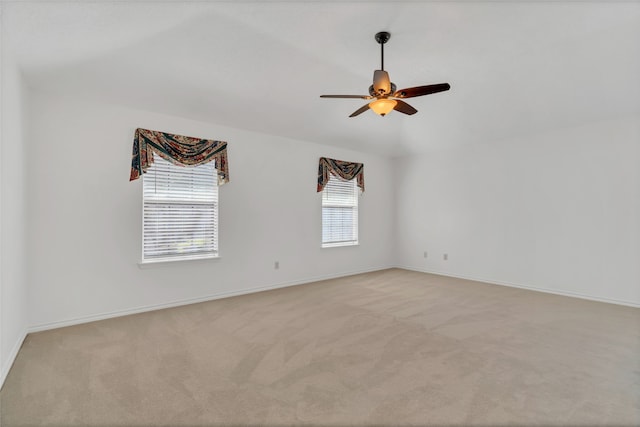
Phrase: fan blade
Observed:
(405, 108)
(421, 90)
(381, 82)
(361, 110)
(346, 96)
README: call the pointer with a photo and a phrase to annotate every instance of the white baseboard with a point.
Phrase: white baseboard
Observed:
(530, 288)
(177, 303)
(6, 367)
(220, 295)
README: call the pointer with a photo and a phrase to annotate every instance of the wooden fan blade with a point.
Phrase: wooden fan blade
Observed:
(405, 108)
(346, 96)
(361, 110)
(421, 90)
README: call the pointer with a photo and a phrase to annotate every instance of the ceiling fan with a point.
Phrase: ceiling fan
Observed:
(384, 92)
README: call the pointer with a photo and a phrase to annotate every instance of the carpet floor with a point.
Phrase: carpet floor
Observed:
(388, 348)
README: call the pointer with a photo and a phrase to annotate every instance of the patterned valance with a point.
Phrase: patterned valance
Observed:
(346, 171)
(179, 150)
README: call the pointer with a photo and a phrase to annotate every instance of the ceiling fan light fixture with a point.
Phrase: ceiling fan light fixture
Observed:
(382, 89)
(383, 106)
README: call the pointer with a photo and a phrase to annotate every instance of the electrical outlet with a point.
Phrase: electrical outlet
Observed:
(445, 257)
(425, 254)
(276, 265)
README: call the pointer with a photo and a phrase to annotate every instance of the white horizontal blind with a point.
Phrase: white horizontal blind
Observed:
(180, 211)
(339, 213)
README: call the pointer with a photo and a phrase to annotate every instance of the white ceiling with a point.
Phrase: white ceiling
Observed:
(515, 68)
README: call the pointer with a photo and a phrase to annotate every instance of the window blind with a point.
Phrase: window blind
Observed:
(180, 211)
(339, 213)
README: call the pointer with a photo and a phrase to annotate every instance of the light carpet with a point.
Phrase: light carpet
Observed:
(389, 348)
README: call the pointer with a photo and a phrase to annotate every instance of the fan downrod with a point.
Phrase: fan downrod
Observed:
(382, 37)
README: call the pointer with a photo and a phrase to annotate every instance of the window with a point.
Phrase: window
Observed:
(339, 213)
(180, 212)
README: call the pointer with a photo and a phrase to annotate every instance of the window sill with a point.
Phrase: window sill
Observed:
(164, 262)
(338, 245)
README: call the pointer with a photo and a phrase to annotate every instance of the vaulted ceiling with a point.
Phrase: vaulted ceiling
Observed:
(515, 68)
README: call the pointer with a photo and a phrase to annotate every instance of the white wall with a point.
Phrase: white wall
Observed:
(554, 212)
(13, 273)
(85, 216)
(558, 211)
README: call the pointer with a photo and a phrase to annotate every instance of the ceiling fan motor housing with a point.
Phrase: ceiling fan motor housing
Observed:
(372, 90)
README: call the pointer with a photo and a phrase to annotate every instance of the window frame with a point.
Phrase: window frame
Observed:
(215, 205)
(355, 223)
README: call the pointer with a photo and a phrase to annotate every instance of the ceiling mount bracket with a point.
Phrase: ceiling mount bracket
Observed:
(382, 37)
